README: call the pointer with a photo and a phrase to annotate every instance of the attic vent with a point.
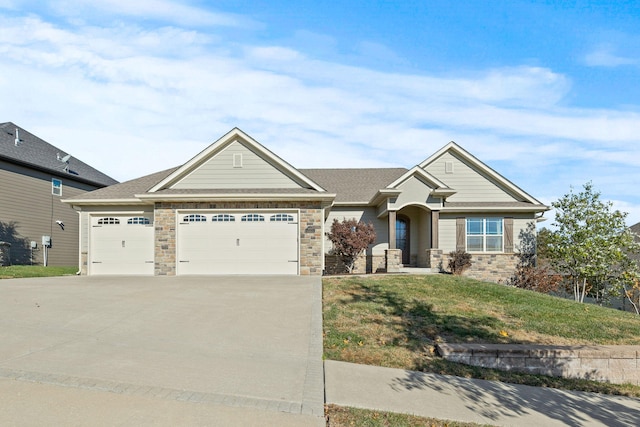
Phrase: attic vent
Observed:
(448, 167)
(237, 160)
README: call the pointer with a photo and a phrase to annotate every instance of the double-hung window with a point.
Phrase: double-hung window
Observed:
(56, 187)
(485, 235)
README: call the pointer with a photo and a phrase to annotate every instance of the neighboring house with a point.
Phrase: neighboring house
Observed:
(35, 176)
(237, 208)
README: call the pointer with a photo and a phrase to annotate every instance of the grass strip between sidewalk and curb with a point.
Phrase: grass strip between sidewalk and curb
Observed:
(341, 416)
(396, 320)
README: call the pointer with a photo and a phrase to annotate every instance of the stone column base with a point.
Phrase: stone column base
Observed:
(394, 260)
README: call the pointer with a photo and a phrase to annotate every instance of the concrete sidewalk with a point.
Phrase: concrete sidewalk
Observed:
(469, 400)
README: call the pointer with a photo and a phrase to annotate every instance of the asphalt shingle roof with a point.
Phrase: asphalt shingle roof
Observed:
(39, 154)
(127, 189)
(354, 185)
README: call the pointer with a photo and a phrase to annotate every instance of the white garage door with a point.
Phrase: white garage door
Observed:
(238, 243)
(121, 245)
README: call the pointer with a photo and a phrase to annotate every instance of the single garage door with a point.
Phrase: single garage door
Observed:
(121, 245)
(238, 243)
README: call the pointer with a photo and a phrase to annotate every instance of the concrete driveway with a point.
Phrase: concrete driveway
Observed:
(231, 347)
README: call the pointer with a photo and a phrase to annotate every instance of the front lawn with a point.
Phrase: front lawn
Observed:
(395, 321)
(21, 271)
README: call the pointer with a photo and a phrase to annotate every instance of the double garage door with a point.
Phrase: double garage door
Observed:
(259, 242)
(237, 243)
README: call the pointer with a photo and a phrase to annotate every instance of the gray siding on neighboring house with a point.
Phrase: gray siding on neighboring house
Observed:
(470, 185)
(251, 172)
(28, 211)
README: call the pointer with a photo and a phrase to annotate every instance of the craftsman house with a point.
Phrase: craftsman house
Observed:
(238, 208)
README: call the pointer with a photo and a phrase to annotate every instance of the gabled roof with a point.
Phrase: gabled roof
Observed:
(33, 152)
(481, 167)
(440, 189)
(236, 135)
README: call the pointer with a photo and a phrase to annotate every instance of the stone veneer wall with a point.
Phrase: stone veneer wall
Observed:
(614, 364)
(363, 265)
(310, 223)
(488, 267)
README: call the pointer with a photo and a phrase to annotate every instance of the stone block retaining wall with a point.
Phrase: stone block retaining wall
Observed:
(614, 364)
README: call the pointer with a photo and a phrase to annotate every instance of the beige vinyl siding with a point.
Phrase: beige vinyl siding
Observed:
(520, 227)
(470, 185)
(219, 172)
(414, 191)
(447, 232)
(26, 203)
(367, 215)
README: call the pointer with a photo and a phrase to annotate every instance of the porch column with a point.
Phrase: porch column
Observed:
(435, 217)
(392, 229)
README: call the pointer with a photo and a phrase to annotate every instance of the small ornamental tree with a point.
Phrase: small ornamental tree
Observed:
(350, 238)
(591, 244)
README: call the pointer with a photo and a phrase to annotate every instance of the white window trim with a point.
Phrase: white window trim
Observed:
(484, 235)
(56, 190)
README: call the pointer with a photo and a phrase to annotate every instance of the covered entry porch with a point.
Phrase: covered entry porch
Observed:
(413, 234)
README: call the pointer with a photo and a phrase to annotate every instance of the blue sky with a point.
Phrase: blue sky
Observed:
(545, 92)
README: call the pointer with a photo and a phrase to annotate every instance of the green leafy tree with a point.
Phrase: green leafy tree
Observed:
(591, 243)
(350, 238)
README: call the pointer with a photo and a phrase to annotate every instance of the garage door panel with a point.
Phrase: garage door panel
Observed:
(119, 247)
(239, 247)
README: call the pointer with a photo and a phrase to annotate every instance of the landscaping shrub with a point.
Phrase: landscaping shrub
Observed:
(459, 261)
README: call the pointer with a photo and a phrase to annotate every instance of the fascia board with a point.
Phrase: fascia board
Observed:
(328, 197)
(538, 208)
(416, 170)
(93, 202)
(452, 146)
(383, 194)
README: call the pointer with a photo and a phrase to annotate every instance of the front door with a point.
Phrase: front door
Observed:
(402, 239)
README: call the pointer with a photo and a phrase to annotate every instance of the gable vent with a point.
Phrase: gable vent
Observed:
(448, 167)
(237, 160)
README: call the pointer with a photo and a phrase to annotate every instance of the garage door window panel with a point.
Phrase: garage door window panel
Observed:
(109, 221)
(139, 221)
(194, 218)
(223, 218)
(252, 218)
(281, 218)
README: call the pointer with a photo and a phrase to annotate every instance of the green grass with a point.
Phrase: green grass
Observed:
(396, 321)
(21, 271)
(340, 416)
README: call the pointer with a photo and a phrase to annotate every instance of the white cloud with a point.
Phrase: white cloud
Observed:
(604, 56)
(113, 95)
(162, 10)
